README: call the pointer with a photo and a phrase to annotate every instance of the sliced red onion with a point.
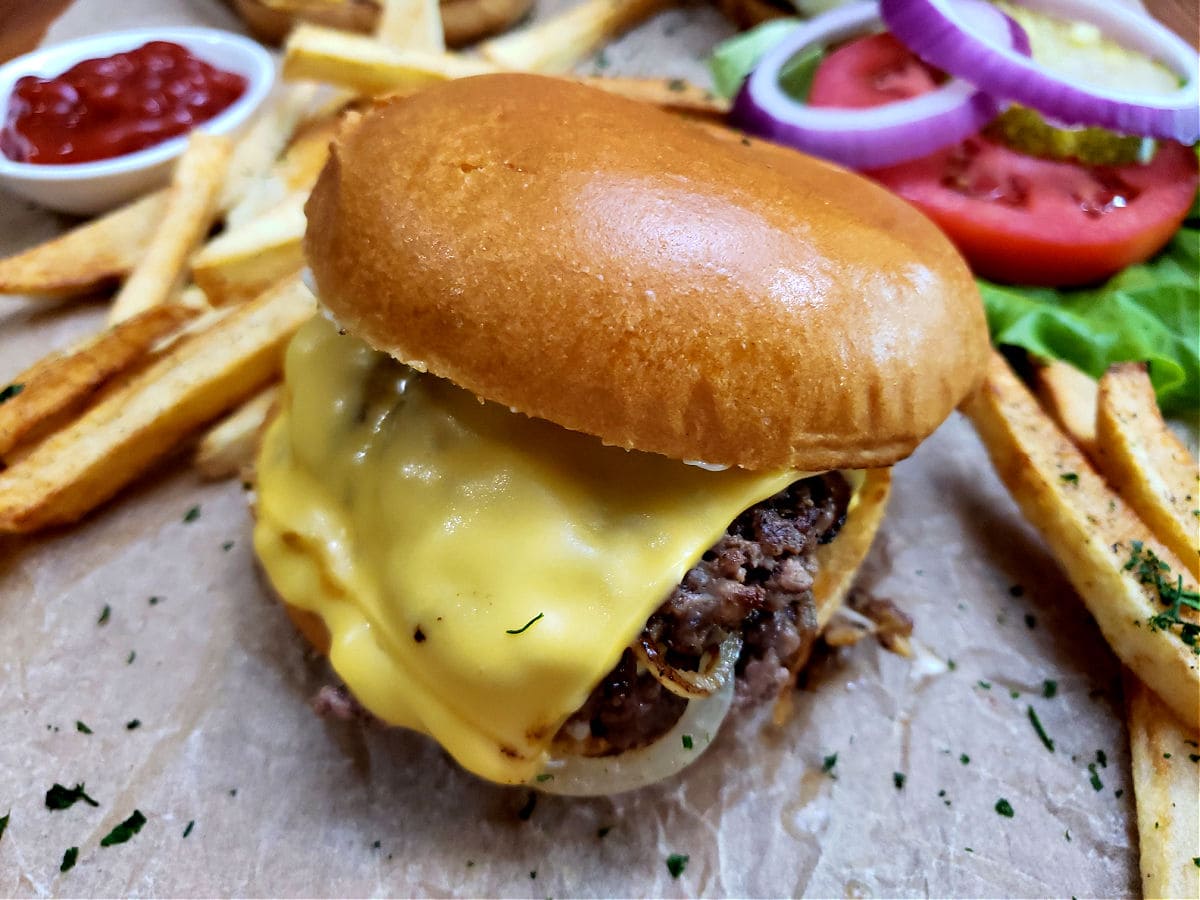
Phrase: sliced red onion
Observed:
(866, 138)
(943, 34)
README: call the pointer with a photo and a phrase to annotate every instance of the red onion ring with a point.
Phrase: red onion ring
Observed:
(939, 33)
(866, 138)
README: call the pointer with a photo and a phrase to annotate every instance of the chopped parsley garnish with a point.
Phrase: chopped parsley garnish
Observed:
(1154, 573)
(1196, 861)
(1030, 621)
(965, 760)
(1102, 758)
(1118, 793)
(986, 685)
(687, 742)
(1049, 688)
(828, 763)
(898, 779)
(59, 797)
(82, 728)
(227, 546)
(376, 845)
(4, 823)
(131, 657)
(602, 831)
(1070, 477)
(68, 861)
(123, 832)
(1014, 694)
(104, 614)
(191, 515)
(526, 626)
(1166, 756)
(132, 724)
(1004, 808)
(1097, 784)
(951, 665)
(190, 825)
(676, 863)
(154, 601)
(545, 776)
(10, 391)
(1037, 726)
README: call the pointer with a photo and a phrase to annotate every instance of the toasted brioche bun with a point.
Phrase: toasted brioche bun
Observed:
(463, 21)
(599, 263)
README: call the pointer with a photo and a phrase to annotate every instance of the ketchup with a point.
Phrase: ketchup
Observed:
(101, 108)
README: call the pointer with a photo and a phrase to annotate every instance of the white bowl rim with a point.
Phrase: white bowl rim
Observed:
(259, 73)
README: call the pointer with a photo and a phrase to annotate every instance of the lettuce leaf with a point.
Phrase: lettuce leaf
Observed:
(1148, 312)
(732, 60)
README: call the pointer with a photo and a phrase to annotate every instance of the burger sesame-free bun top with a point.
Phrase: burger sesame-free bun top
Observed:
(610, 267)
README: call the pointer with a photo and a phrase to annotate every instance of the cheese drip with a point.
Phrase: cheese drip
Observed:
(478, 571)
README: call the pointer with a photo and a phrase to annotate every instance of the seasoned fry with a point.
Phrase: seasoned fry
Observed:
(367, 66)
(411, 25)
(228, 448)
(669, 93)
(257, 150)
(1146, 463)
(1166, 785)
(61, 384)
(87, 256)
(1106, 551)
(1069, 395)
(190, 210)
(558, 43)
(244, 261)
(86, 463)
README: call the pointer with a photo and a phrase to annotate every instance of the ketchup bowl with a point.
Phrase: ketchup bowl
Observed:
(86, 188)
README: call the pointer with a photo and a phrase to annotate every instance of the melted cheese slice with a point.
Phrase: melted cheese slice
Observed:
(479, 571)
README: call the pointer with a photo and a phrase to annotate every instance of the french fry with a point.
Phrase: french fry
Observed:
(295, 173)
(669, 93)
(558, 43)
(191, 207)
(228, 448)
(257, 150)
(78, 468)
(1104, 549)
(367, 66)
(88, 256)
(411, 25)
(61, 384)
(242, 262)
(1069, 395)
(1146, 462)
(1166, 784)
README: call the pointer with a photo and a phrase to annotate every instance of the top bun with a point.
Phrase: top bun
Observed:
(607, 266)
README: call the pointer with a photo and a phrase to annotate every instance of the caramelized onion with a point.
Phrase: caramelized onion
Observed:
(715, 671)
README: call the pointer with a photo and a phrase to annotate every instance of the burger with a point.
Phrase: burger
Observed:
(595, 427)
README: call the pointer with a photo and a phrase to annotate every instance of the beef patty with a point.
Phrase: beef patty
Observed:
(755, 581)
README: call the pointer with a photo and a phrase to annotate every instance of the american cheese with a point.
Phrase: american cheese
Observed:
(425, 527)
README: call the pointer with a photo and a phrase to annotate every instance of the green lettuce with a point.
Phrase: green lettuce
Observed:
(1148, 312)
(734, 59)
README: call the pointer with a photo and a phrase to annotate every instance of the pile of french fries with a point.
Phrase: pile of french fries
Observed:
(1116, 496)
(198, 324)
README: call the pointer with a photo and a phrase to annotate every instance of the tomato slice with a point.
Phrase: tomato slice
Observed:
(1017, 218)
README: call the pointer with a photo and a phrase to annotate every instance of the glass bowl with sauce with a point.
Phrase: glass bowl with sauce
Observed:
(90, 124)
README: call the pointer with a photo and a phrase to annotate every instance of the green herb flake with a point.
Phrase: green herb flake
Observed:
(131, 657)
(4, 822)
(376, 845)
(828, 763)
(1067, 834)
(687, 742)
(1154, 573)
(676, 863)
(1004, 808)
(965, 760)
(986, 685)
(1014, 694)
(898, 779)
(59, 797)
(545, 776)
(191, 515)
(968, 849)
(1049, 689)
(104, 615)
(951, 665)
(227, 546)
(526, 626)
(132, 724)
(1119, 793)
(1196, 861)
(602, 831)
(126, 830)
(10, 391)
(154, 601)
(190, 825)
(533, 873)
(1166, 756)
(1094, 778)
(1070, 477)
(676, 85)
(68, 860)
(1102, 758)
(82, 728)
(1030, 621)
(1037, 726)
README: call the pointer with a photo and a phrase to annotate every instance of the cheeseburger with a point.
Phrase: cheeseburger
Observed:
(595, 429)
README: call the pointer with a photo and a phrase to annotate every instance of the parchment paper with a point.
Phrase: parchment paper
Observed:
(282, 803)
